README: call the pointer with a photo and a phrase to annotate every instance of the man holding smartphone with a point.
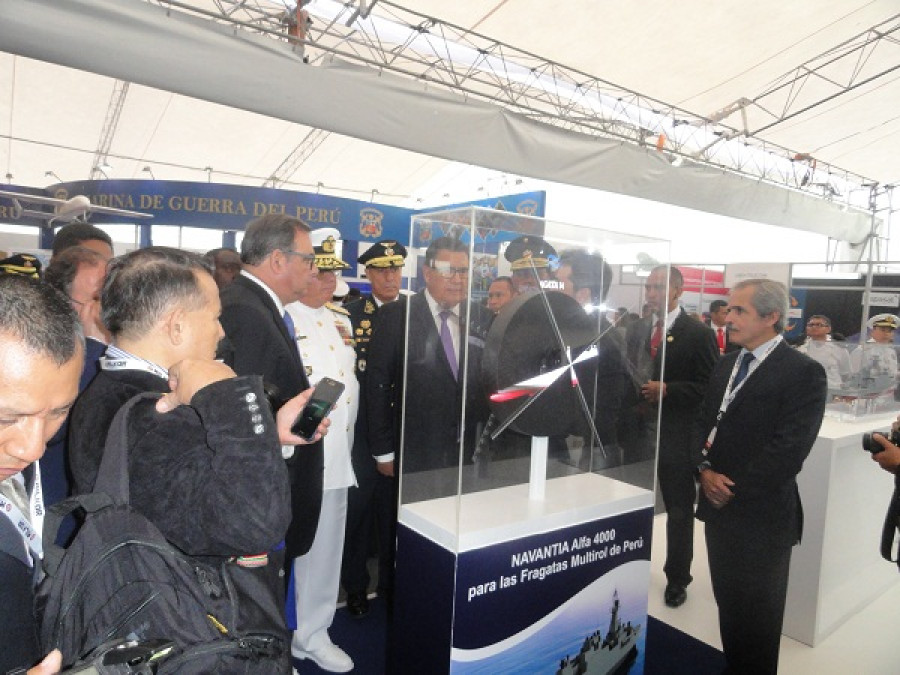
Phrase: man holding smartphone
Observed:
(325, 341)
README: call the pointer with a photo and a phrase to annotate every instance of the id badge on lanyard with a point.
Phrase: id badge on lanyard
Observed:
(28, 526)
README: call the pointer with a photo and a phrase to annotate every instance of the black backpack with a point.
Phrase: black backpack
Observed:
(120, 578)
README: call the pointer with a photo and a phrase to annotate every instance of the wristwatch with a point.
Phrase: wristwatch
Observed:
(703, 466)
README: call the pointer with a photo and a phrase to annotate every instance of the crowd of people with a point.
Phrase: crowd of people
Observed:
(233, 343)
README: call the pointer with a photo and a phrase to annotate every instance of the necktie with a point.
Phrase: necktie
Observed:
(289, 324)
(721, 340)
(743, 369)
(656, 338)
(447, 341)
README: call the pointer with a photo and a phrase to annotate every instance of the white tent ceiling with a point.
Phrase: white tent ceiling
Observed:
(701, 56)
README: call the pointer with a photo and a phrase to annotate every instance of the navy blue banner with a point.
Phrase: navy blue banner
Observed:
(503, 589)
(230, 207)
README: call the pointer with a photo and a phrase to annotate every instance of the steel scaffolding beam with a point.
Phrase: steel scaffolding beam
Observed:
(391, 38)
(295, 159)
(108, 132)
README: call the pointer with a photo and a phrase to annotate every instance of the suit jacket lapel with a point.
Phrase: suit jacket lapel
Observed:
(267, 302)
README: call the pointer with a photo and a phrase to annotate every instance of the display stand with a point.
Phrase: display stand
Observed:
(519, 556)
(537, 480)
(837, 569)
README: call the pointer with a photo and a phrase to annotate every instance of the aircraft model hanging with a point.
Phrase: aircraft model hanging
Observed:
(65, 210)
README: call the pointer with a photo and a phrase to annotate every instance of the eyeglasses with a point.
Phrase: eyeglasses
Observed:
(310, 258)
(445, 270)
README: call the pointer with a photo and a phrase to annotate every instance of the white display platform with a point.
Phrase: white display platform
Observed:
(492, 516)
(837, 570)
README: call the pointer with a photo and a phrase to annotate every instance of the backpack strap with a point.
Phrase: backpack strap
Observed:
(53, 553)
(112, 477)
(891, 527)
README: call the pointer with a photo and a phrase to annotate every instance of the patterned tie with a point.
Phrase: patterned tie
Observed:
(656, 338)
(289, 324)
(743, 369)
(447, 341)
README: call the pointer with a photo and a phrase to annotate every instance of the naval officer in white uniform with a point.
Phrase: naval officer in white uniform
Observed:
(877, 356)
(325, 341)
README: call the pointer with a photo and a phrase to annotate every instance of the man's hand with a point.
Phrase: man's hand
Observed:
(52, 663)
(716, 487)
(188, 377)
(889, 458)
(287, 415)
(385, 468)
(653, 391)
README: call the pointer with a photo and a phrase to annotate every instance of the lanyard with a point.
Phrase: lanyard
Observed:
(132, 363)
(28, 528)
(730, 394)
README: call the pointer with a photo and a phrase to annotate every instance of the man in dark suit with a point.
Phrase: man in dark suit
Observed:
(371, 503)
(718, 312)
(278, 264)
(427, 363)
(758, 422)
(434, 368)
(41, 354)
(690, 354)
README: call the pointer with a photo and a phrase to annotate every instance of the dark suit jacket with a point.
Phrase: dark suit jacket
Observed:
(93, 414)
(762, 440)
(433, 396)
(257, 343)
(729, 345)
(691, 354)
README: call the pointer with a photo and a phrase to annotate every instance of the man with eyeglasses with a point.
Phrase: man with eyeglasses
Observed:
(260, 339)
(819, 347)
(435, 357)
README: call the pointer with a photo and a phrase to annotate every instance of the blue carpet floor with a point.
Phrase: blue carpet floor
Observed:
(669, 651)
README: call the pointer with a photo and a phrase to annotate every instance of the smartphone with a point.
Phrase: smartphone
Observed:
(324, 397)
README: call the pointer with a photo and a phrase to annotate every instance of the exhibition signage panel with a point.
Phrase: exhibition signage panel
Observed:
(572, 596)
(567, 600)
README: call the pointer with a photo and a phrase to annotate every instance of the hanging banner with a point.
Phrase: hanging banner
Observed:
(226, 207)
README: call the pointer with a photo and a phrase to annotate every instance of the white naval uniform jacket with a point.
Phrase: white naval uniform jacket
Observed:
(325, 341)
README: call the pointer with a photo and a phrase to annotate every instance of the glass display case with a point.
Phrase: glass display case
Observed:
(527, 453)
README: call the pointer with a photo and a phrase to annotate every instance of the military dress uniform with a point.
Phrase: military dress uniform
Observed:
(326, 345)
(875, 359)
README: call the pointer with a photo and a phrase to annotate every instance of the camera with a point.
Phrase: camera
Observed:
(871, 445)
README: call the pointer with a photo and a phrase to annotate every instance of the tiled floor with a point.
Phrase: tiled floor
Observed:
(867, 644)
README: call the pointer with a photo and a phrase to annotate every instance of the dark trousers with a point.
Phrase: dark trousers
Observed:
(371, 508)
(749, 579)
(679, 493)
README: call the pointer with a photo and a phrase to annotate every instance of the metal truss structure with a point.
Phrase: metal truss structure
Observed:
(384, 36)
(108, 132)
(294, 161)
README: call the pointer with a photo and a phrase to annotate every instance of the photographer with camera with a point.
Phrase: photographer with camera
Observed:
(888, 456)
(886, 452)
